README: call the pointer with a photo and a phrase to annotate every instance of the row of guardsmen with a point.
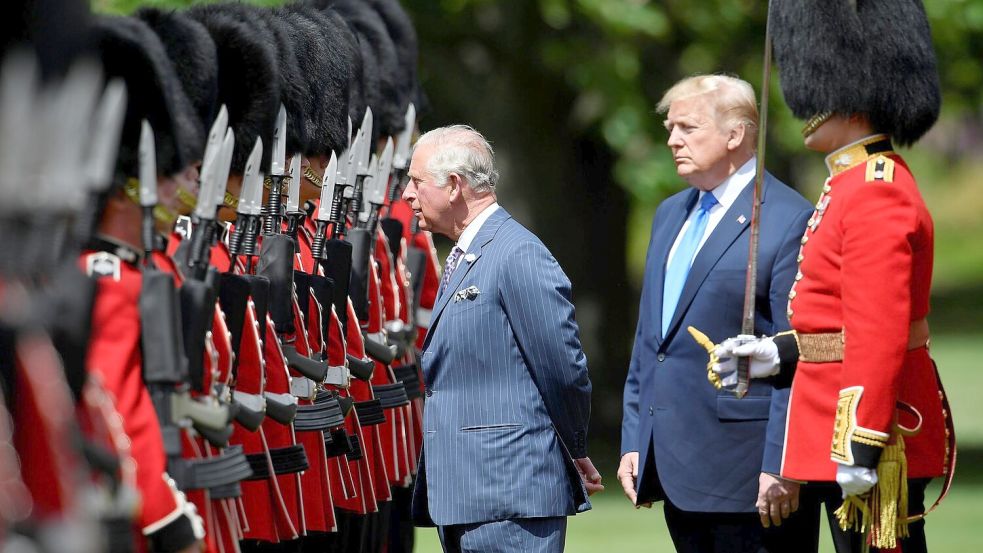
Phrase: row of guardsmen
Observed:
(211, 296)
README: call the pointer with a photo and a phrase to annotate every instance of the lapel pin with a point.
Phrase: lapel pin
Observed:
(470, 257)
(741, 219)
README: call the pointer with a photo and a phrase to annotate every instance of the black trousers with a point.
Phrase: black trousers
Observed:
(814, 496)
(742, 532)
(729, 533)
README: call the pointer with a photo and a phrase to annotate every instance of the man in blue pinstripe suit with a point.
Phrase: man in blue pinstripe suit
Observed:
(504, 457)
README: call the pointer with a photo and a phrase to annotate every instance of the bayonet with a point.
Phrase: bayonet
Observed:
(106, 130)
(291, 211)
(401, 156)
(210, 196)
(243, 238)
(148, 185)
(279, 158)
(206, 179)
(277, 169)
(293, 190)
(325, 208)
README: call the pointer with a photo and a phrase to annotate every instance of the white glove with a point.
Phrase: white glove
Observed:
(855, 480)
(762, 351)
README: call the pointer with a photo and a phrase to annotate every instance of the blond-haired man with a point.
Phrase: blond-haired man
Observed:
(711, 457)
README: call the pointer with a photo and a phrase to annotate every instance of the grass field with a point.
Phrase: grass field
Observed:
(613, 525)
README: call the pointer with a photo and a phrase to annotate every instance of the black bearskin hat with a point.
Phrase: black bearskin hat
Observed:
(248, 82)
(403, 35)
(380, 64)
(321, 56)
(129, 49)
(293, 87)
(192, 52)
(871, 57)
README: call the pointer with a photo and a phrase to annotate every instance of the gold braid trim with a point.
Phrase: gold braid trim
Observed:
(230, 201)
(310, 175)
(711, 348)
(161, 213)
(815, 122)
(884, 511)
(186, 198)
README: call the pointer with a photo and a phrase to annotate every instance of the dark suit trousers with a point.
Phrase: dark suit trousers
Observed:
(729, 533)
(811, 500)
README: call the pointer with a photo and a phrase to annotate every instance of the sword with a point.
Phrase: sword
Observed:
(750, 283)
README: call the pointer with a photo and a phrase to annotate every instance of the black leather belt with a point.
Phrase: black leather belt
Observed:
(356, 453)
(197, 474)
(408, 375)
(370, 412)
(391, 395)
(286, 460)
(336, 443)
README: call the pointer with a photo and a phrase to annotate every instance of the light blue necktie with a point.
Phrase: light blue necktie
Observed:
(680, 263)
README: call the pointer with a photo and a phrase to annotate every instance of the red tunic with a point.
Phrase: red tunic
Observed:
(115, 356)
(865, 268)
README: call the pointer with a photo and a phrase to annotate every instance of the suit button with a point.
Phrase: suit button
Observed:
(661, 357)
(651, 411)
(429, 392)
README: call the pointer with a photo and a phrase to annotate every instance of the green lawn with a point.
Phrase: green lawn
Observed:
(613, 525)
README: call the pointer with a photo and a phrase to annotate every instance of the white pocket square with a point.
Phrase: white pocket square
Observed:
(469, 293)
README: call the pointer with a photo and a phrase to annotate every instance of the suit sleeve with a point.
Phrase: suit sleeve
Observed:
(629, 417)
(536, 297)
(877, 234)
(782, 275)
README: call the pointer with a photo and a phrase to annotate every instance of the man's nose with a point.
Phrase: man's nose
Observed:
(674, 139)
(408, 192)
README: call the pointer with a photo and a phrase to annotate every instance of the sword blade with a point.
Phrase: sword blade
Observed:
(751, 278)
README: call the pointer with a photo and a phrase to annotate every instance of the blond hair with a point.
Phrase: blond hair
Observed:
(733, 100)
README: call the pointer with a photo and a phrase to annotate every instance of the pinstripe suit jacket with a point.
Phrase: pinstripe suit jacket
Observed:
(508, 396)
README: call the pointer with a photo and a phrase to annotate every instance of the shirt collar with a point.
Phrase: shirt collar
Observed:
(728, 191)
(470, 231)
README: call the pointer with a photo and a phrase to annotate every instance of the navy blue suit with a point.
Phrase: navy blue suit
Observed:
(709, 447)
(508, 396)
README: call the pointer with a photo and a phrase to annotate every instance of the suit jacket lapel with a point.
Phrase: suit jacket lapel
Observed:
(484, 236)
(737, 218)
(663, 239)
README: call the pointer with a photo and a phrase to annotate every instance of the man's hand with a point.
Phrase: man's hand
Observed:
(589, 474)
(762, 351)
(855, 480)
(627, 475)
(777, 499)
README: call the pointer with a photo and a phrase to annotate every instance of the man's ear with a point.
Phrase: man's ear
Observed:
(736, 136)
(454, 184)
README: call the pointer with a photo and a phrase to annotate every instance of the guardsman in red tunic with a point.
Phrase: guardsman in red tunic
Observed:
(867, 409)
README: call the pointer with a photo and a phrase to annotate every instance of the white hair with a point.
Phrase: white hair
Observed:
(461, 149)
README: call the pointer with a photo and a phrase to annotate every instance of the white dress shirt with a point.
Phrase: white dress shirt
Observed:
(726, 194)
(470, 231)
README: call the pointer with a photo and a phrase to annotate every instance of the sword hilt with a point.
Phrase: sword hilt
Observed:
(271, 225)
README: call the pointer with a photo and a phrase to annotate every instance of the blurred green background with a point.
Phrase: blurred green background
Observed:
(565, 90)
